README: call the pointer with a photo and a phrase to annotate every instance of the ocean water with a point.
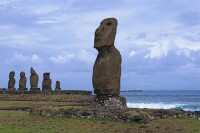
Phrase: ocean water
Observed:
(188, 100)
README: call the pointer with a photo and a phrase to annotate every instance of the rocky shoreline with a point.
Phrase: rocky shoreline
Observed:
(113, 109)
(91, 107)
(127, 115)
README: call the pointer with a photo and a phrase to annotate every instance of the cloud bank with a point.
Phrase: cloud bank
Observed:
(159, 41)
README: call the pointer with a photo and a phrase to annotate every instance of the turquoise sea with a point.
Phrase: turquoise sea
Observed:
(188, 100)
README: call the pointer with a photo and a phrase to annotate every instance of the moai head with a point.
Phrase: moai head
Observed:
(105, 33)
(32, 71)
(22, 74)
(57, 84)
(46, 75)
(11, 75)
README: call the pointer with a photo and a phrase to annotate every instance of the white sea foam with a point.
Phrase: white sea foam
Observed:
(153, 105)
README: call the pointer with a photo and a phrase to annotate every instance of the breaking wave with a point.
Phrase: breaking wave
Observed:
(177, 106)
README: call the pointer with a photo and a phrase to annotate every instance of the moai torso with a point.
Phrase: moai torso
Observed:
(22, 81)
(46, 83)
(11, 82)
(34, 79)
(107, 67)
(57, 86)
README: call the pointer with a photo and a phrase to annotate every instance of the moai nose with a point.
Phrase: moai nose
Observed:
(99, 30)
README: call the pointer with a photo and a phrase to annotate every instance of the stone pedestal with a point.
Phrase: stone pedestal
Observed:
(2, 90)
(34, 89)
(111, 103)
(22, 89)
(11, 89)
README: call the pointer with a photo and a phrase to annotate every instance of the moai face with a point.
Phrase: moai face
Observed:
(11, 75)
(46, 76)
(22, 74)
(57, 83)
(32, 71)
(105, 33)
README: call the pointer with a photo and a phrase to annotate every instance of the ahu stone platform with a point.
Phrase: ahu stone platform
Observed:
(80, 92)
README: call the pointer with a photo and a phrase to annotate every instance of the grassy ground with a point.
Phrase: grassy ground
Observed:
(22, 122)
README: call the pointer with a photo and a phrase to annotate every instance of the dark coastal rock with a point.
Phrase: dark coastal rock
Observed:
(57, 86)
(46, 83)
(11, 82)
(22, 82)
(34, 78)
(107, 67)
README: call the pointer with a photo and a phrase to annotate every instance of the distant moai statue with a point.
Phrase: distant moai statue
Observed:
(11, 82)
(46, 83)
(22, 82)
(57, 86)
(34, 78)
(107, 67)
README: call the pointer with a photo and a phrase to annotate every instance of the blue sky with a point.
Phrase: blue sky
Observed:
(159, 41)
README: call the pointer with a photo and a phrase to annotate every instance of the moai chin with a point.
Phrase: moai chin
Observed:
(34, 78)
(11, 82)
(57, 86)
(107, 67)
(22, 82)
(46, 83)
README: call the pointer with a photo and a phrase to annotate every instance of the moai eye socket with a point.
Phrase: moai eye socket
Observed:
(109, 24)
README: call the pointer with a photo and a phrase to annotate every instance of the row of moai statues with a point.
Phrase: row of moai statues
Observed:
(34, 79)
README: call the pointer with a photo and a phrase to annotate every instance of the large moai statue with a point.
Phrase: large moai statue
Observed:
(57, 86)
(11, 82)
(34, 78)
(107, 67)
(46, 83)
(22, 82)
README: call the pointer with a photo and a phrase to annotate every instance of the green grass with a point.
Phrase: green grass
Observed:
(22, 122)
(10, 104)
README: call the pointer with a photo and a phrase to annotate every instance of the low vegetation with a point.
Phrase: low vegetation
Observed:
(17, 121)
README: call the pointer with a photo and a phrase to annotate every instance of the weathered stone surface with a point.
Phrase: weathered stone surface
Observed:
(107, 67)
(34, 78)
(128, 115)
(110, 103)
(11, 82)
(57, 86)
(22, 81)
(46, 83)
(105, 33)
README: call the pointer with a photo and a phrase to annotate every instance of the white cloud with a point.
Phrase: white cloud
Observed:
(81, 55)
(132, 53)
(6, 2)
(45, 9)
(17, 57)
(7, 27)
(61, 59)
(35, 58)
(23, 59)
(159, 50)
(22, 40)
(85, 56)
(185, 44)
